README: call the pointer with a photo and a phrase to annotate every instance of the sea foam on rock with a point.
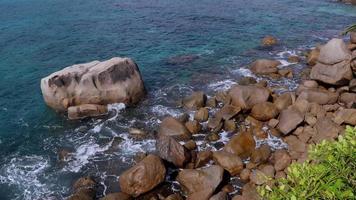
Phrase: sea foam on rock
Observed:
(117, 80)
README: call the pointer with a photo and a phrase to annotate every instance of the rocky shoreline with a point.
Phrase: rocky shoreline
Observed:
(250, 113)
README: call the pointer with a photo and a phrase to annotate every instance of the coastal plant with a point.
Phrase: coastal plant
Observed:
(329, 173)
(349, 29)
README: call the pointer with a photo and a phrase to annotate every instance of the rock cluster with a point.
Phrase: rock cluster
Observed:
(318, 110)
(84, 90)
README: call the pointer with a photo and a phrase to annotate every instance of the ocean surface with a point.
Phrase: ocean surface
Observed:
(38, 37)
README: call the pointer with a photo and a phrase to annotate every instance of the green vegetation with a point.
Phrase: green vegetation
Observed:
(330, 173)
(349, 29)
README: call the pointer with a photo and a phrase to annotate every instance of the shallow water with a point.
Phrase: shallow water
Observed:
(38, 37)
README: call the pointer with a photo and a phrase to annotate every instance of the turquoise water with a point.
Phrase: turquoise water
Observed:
(38, 37)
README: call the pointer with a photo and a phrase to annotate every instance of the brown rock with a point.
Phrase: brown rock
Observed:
(212, 137)
(201, 180)
(348, 98)
(190, 145)
(258, 177)
(336, 74)
(172, 151)
(202, 115)
(246, 97)
(269, 41)
(228, 111)
(310, 84)
(193, 126)
(86, 110)
(143, 177)
(347, 116)
(211, 102)
(203, 157)
(283, 101)
(261, 154)
(84, 189)
(230, 126)
(229, 161)
(219, 196)
(215, 122)
(264, 66)
(264, 111)
(319, 96)
(326, 130)
(310, 119)
(117, 196)
(242, 144)
(245, 175)
(280, 174)
(247, 81)
(117, 80)
(281, 160)
(293, 59)
(294, 144)
(172, 127)
(352, 85)
(195, 101)
(313, 56)
(353, 37)
(273, 123)
(289, 119)
(333, 52)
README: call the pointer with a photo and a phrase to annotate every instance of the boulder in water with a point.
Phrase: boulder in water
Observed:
(86, 110)
(265, 66)
(117, 80)
(174, 128)
(242, 144)
(269, 41)
(171, 150)
(246, 96)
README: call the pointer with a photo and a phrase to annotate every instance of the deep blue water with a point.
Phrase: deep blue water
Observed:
(38, 37)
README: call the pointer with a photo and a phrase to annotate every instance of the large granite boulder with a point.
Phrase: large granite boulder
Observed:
(242, 144)
(289, 119)
(143, 177)
(317, 95)
(264, 111)
(333, 66)
(246, 96)
(171, 150)
(86, 110)
(117, 80)
(229, 161)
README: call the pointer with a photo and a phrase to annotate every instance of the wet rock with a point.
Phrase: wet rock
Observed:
(264, 111)
(228, 188)
(203, 157)
(283, 101)
(137, 133)
(317, 95)
(259, 133)
(269, 41)
(347, 116)
(117, 80)
(172, 127)
(190, 145)
(86, 110)
(211, 102)
(247, 81)
(212, 137)
(193, 127)
(172, 151)
(281, 159)
(247, 96)
(245, 175)
(63, 155)
(326, 129)
(174, 197)
(289, 119)
(84, 189)
(313, 56)
(203, 181)
(202, 115)
(261, 154)
(229, 161)
(215, 122)
(219, 196)
(228, 111)
(253, 122)
(117, 196)
(264, 66)
(183, 118)
(242, 144)
(293, 59)
(230, 126)
(288, 73)
(143, 177)
(195, 101)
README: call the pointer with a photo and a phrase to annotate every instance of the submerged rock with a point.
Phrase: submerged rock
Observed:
(269, 41)
(84, 189)
(117, 80)
(143, 177)
(117, 196)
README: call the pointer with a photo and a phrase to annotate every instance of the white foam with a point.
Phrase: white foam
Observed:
(25, 173)
(161, 110)
(244, 72)
(129, 146)
(116, 107)
(222, 85)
